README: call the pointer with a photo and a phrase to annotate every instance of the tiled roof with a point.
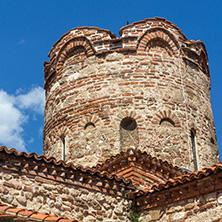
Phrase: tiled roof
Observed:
(140, 167)
(8, 213)
(180, 188)
(61, 163)
(196, 175)
(59, 171)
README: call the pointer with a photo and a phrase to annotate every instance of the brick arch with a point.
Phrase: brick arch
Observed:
(70, 46)
(87, 119)
(160, 37)
(62, 131)
(192, 126)
(166, 114)
(129, 113)
(128, 137)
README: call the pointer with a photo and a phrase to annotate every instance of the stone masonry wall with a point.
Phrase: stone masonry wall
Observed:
(207, 208)
(52, 189)
(104, 94)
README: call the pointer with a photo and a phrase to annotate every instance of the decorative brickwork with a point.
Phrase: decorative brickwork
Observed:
(143, 169)
(129, 107)
(94, 78)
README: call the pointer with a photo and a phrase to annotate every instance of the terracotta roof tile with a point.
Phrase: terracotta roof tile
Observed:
(137, 153)
(62, 164)
(196, 175)
(26, 213)
(38, 215)
(4, 208)
(14, 210)
(67, 220)
(133, 164)
(29, 215)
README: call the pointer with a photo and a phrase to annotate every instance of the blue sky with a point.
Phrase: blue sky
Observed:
(30, 28)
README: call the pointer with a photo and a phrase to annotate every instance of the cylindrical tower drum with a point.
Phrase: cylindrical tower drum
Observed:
(150, 88)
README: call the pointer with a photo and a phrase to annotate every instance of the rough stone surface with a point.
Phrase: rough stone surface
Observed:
(93, 84)
(189, 206)
(189, 210)
(178, 216)
(58, 199)
(104, 94)
(156, 214)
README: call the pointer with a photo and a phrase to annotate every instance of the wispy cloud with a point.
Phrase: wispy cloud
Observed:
(33, 100)
(40, 131)
(21, 42)
(14, 116)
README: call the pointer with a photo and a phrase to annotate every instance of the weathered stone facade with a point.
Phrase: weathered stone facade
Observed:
(139, 103)
(39, 188)
(51, 187)
(104, 94)
(207, 208)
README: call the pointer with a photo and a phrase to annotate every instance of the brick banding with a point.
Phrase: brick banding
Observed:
(92, 73)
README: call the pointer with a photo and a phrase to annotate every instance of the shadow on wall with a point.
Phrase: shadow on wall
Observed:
(128, 133)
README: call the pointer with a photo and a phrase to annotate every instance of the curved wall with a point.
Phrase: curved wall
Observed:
(104, 94)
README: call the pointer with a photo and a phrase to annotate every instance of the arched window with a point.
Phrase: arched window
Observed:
(193, 144)
(76, 56)
(166, 122)
(89, 126)
(128, 132)
(128, 123)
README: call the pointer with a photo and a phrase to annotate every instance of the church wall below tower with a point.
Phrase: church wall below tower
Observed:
(205, 208)
(54, 188)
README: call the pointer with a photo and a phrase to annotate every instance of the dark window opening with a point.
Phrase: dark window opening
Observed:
(63, 148)
(128, 123)
(193, 143)
(166, 122)
(89, 125)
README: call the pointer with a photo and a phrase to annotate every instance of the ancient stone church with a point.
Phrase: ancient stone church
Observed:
(129, 132)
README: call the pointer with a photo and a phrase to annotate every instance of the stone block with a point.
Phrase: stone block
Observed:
(211, 196)
(22, 200)
(178, 216)
(114, 57)
(146, 218)
(189, 206)
(156, 214)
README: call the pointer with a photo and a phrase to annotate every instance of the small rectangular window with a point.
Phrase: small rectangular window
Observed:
(193, 144)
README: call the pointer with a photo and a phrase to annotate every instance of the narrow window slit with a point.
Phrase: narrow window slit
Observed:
(63, 148)
(193, 144)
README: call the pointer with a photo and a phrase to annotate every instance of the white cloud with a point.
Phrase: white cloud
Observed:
(11, 120)
(40, 131)
(33, 100)
(13, 115)
(19, 91)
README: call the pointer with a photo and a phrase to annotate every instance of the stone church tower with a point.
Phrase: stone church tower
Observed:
(149, 88)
